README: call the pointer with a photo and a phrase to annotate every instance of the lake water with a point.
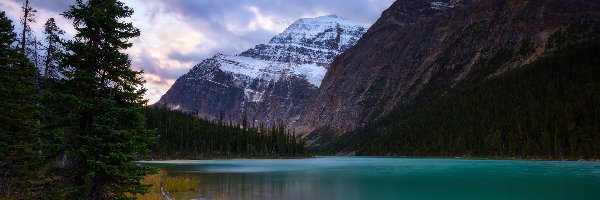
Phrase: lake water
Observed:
(387, 178)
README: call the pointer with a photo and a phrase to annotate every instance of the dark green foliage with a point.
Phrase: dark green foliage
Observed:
(320, 138)
(185, 136)
(94, 119)
(19, 159)
(549, 109)
(577, 32)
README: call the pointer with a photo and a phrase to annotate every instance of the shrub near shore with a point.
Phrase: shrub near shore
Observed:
(170, 183)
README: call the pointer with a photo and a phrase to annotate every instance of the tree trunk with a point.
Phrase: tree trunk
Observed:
(25, 16)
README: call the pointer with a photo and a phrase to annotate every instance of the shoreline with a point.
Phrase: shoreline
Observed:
(224, 158)
(373, 156)
(499, 158)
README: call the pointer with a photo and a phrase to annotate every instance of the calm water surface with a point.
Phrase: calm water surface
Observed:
(387, 178)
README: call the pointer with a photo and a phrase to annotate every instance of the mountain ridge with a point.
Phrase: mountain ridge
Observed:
(269, 83)
(416, 49)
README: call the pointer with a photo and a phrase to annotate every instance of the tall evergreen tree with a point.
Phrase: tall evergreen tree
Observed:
(28, 14)
(53, 50)
(18, 143)
(30, 45)
(102, 98)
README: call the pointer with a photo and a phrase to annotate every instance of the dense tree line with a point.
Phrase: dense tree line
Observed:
(548, 110)
(19, 161)
(186, 136)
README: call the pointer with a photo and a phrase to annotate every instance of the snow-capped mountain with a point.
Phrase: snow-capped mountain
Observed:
(315, 41)
(270, 82)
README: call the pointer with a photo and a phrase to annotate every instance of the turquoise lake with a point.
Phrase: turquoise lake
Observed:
(386, 178)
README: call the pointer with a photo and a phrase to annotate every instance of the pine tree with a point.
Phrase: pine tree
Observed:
(29, 44)
(19, 159)
(53, 50)
(28, 14)
(103, 97)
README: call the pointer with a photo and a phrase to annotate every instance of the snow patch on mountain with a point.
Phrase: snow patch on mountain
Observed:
(246, 66)
(252, 95)
(438, 5)
(313, 73)
(270, 70)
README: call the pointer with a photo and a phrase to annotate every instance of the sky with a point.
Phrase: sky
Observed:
(178, 34)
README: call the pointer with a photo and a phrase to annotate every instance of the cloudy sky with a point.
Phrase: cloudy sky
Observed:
(177, 34)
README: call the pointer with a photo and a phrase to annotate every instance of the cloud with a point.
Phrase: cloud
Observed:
(156, 85)
(151, 65)
(177, 34)
(223, 11)
(184, 57)
(56, 6)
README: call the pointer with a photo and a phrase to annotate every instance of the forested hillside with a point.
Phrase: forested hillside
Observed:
(185, 136)
(418, 50)
(549, 110)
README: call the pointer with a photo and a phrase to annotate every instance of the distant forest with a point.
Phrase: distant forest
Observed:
(186, 136)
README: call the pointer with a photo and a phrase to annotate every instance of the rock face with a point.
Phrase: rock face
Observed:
(421, 48)
(269, 83)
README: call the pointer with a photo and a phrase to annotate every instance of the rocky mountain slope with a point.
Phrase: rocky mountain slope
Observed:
(423, 48)
(270, 82)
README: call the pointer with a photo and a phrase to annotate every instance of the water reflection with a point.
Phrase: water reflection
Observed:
(387, 178)
(281, 185)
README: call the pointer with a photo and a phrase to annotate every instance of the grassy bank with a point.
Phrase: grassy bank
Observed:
(170, 183)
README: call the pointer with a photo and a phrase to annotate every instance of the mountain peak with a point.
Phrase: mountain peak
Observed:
(331, 18)
(270, 82)
(324, 34)
(334, 16)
